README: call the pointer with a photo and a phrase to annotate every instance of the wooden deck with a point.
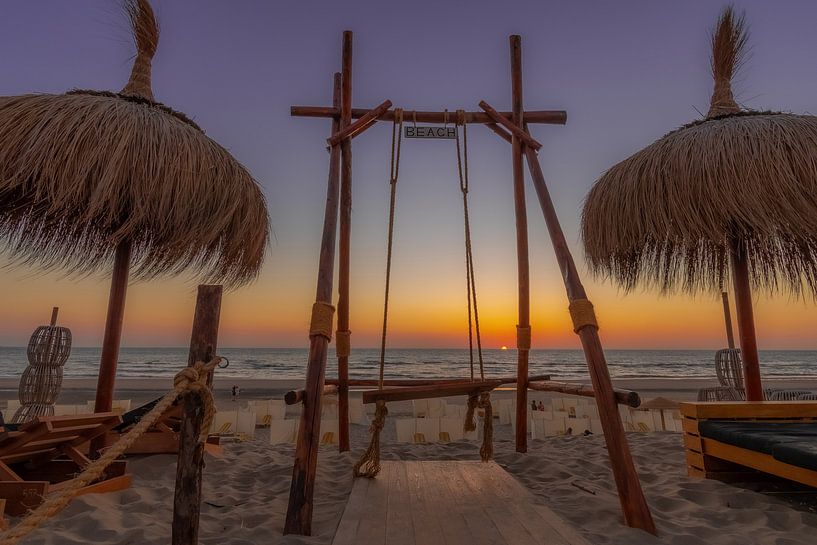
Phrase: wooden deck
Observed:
(451, 503)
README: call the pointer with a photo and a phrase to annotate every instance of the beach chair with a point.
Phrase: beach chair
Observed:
(506, 407)
(329, 431)
(595, 426)
(451, 427)
(419, 407)
(357, 413)
(277, 409)
(537, 428)
(245, 425)
(558, 404)
(553, 427)
(429, 428)
(741, 441)
(406, 429)
(571, 405)
(39, 456)
(436, 408)
(224, 423)
(262, 412)
(283, 431)
(786, 395)
(643, 421)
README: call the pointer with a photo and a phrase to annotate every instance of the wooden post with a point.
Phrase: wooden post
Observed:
(633, 504)
(113, 336)
(190, 461)
(54, 312)
(523, 270)
(299, 510)
(344, 245)
(727, 316)
(746, 320)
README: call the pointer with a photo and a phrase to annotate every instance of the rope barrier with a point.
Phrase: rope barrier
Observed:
(189, 380)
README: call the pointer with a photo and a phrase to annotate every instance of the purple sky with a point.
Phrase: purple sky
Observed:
(626, 72)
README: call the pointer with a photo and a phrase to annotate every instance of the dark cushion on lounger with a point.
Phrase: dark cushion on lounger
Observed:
(791, 443)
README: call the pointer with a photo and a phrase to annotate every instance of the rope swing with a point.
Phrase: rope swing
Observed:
(369, 463)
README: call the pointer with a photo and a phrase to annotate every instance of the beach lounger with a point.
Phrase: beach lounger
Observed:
(436, 408)
(38, 456)
(224, 423)
(736, 440)
(406, 429)
(553, 427)
(245, 425)
(451, 426)
(419, 407)
(429, 428)
(506, 407)
(283, 431)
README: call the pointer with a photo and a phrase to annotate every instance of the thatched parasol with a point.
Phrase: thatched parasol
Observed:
(737, 186)
(89, 179)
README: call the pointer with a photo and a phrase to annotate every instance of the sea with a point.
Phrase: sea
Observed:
(290, 363)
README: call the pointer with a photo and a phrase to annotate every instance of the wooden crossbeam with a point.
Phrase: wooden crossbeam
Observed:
(409, 393)
(623, 397)
(550, 117)
(365, 121)
(423, 381)
(515, 129)
(297, 396)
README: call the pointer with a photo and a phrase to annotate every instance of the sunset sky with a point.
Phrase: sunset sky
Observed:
(626, 73)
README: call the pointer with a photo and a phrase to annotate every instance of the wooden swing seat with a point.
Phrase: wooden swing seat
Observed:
(408, 393)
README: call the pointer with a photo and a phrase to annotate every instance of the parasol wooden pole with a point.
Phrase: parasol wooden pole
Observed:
(299, 510)
(523, 270)
(727, 316)
(344, 245)
(746, 320)
(54, 312)
(190, 460)
(113, 335)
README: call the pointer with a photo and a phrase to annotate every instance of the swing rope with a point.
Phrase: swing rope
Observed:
(369, 463)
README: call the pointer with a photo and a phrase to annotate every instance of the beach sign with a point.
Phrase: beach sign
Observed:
(445, 132)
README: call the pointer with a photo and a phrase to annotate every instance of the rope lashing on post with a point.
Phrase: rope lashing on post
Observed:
(582, 314)
(523, 337)
(369, 463)
(320, 324)
(343, 343)
(189, 380)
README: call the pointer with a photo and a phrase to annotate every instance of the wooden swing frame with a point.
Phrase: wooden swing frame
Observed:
(513, 127)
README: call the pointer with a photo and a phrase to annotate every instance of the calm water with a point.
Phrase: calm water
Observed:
(278, 363)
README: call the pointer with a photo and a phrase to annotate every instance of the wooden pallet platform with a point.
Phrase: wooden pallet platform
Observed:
(450, 503)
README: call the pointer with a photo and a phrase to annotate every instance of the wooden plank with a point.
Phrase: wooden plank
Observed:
(553, 117)
(364, 122)
(353, 514)
(454, 526)
(424, 382)
(750, 409)
(512, 126)
(759, 461)
(21, 497)
(399, 526)
(8, 474)
(494, 522)
(427, 522)
(372, 529)
(408, 393)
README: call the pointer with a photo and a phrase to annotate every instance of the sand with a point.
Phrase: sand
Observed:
(245, 492)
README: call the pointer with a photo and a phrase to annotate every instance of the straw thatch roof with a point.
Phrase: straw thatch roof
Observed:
(82, 171)
(666, 215)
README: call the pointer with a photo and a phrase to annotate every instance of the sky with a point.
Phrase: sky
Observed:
(626, 72)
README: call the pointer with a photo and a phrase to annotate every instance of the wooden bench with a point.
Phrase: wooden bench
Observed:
(749, 439)
(40, 455)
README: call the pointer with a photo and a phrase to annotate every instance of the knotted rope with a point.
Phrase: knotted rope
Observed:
(189, 380)
(369, 463)
(470, 424)
(486, 451)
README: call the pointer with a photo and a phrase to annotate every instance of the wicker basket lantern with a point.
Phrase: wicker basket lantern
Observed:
(48, 350)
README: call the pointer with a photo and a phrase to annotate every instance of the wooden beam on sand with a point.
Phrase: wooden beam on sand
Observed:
(190, 461)
(550, 117)
(302, 488)
(623, 397)
(408, 393)
(425, 382)
(353, 129)
(294, 397)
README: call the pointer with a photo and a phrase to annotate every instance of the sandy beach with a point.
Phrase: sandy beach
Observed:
(245, 490)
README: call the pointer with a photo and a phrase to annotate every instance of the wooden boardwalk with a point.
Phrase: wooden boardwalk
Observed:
(451, 503)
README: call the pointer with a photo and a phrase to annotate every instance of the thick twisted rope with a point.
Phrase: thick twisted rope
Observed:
(369, 463)
(471, 287)
(189, 380)
(486, 451)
